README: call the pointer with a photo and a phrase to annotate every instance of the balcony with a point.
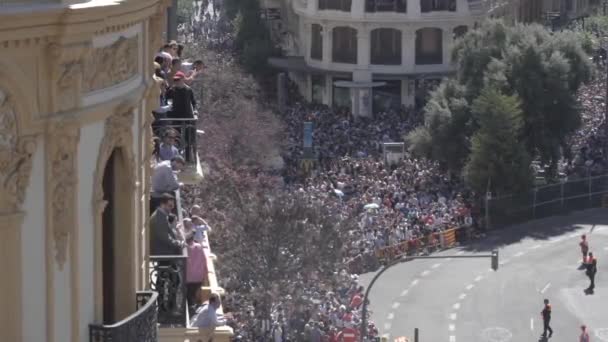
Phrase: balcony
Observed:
(140, 326)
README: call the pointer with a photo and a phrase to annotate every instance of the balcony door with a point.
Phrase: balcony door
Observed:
(118, 262)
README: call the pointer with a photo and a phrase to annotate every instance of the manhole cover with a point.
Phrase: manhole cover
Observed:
(496, 334)
(602, 334)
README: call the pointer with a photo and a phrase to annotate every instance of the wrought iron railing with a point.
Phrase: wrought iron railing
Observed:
(140, 326)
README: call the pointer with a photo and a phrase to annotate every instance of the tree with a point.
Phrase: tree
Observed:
(543, 69)
(498, 161)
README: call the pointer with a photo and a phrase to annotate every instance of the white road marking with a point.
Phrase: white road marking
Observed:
(453, 316)
(536, 247)
(404, 292)
(545, 288)
(478, 278)
(435, 265)
(456, 306)
(390, 316)
(462, 296)
(452, 338)
(425, 273)
(387, 326)
(602, 334)
(448, 259)
(451, 327)
(470, 286)
(460, 253)
(532, 324)
(518, 254)
(606, 248)
(396, 305)
(573, 235)
(505, 261)
(414, 282)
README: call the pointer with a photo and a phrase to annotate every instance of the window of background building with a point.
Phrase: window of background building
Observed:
(316, 42)
(344, 45)
(460, 31)
(338, 5)
(386, 6)
(386, 46)
(437, 5)
(341, 95)
(429, 46)
(318, 87)
(386, 97)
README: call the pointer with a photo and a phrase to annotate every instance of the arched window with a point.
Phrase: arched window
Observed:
(316, 42)
(429, 46)
(399, 6)
(344, 46)
(386, 46)
(337, 5)
(460, 31)
(437, 5)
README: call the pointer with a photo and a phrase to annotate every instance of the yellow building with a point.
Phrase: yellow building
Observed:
(76, 96)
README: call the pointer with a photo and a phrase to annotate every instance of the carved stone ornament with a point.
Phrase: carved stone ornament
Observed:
(15, 158)
(111, 65)
(62, 158)
(67, 67)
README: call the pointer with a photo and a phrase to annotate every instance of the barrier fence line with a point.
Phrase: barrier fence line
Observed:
(434, 241)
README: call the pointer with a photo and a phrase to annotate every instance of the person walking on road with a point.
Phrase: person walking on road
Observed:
(591, 266)
(546, 314)
(584, 248)
(584, 334)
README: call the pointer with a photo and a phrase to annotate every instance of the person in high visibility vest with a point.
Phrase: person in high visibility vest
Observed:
(584, 334)
(591, 271)
(584, 247)
(546, 314)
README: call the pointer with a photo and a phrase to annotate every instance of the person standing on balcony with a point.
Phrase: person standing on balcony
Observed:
(164, 240)
(167, 149)
(196, 268)
(183, 107)
(206, 318)
(164, 179)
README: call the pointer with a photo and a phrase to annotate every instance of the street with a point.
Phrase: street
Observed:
(464, 300)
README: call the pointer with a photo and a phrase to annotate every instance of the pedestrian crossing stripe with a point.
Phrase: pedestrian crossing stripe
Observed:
(401, 339)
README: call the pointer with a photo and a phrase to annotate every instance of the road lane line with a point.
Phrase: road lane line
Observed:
(460, 253)
(396, 305)
(456, 306)
(478, 278)
(518, 254)
(448, 259)
(532, 324)
(505, 261)
(387, 326)
(414, 282)
(453, 316)
(536, 247)
(462, 296)
(425, 273)
(390, 316)
(435, 265)
(545, 288)
(470, 286)
(404, 292)
(451, 327)
(452, 338)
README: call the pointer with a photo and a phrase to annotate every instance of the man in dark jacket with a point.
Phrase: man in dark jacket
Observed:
(591, 266)
(183, 99)
(164, 240)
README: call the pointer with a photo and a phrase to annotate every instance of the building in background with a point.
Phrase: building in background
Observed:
(371, 55)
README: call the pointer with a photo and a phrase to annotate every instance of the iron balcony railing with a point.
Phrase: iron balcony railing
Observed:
(140, 326)
(186, 135)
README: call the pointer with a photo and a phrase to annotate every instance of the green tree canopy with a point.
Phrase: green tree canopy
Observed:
(543, 69)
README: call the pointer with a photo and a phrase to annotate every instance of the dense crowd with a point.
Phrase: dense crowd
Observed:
(392, 203)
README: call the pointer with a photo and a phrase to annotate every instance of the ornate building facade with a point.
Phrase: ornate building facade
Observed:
(75, 113)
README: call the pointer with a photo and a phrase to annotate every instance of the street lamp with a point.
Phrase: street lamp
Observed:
(494, 264)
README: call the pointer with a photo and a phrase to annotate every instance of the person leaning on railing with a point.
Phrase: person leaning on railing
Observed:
(164, 240)
(164, 179)
(207, 318)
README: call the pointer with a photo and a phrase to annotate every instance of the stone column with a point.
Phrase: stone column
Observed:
(312, 6)
(408, 48)
(358, 9)
(413, 8)
(363, 48)
(327, 44)
(447, 43)
(328, 93)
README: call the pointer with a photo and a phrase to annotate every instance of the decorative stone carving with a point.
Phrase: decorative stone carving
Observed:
(15, 158)
(62, 181)
(112, 64)
(67, 69)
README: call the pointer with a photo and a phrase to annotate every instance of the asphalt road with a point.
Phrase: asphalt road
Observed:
(456, 300)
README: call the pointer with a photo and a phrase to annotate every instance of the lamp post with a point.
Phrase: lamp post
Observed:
(362, 329)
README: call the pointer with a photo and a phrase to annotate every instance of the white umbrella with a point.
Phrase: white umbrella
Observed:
(338, 192)
(371, 206)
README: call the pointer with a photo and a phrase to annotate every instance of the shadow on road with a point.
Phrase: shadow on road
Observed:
(542, 229)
